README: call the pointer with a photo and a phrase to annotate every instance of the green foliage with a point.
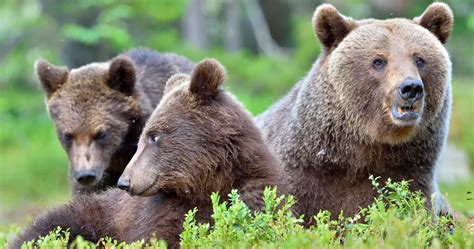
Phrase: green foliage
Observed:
(254, 79)
(307, 46)
(33, 165)
(21, 24)
(396, 219)
(235, 225)
(7, 234)
(115, 22)
(55, 239)
(59, 238)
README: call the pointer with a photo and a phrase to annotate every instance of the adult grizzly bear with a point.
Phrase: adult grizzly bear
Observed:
(377, 101)
(100, 109)
(199, 140)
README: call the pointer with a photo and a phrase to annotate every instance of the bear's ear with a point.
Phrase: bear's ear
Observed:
(438, 19)
(122, 75)
(51, 77)
(206, 78)
(330, 26)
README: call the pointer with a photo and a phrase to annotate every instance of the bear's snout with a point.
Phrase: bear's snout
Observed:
(123, 184)
(86, 177)
(407, 102)
(411, 90)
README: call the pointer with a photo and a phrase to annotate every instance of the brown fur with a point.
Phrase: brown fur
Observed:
(100, 109)
(335, 127)
(199, 140)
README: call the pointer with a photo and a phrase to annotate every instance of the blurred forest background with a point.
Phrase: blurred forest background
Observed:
(266, 46)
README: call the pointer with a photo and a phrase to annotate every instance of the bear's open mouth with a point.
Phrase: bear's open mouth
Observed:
(408, 114)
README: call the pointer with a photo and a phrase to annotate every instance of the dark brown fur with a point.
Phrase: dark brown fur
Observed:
(199, 140)
(100, 109)
(335, 127)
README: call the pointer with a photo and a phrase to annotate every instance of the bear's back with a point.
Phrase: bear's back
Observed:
(154, 69)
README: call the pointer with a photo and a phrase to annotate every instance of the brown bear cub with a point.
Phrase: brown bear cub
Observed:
(376, 102)
(199, 140)
(99, 110)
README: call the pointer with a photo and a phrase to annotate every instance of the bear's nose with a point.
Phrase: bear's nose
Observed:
(85, 177)
(123, 184)
(411, 90)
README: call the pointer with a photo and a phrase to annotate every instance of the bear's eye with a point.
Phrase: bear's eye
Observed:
(419, 62)
(154, 138)
(101, 135)
(67, 137)
(379, 63)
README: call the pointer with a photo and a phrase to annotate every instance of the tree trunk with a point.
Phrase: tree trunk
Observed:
(278, 14)
(194, 24)
(232, 36)
(265, 42)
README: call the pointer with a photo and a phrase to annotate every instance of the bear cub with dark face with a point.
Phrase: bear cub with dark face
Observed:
(199, 140)
(99, 110)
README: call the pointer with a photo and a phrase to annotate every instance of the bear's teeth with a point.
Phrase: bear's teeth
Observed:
(405, 108)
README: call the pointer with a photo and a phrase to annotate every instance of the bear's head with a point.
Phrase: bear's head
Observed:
(388, 77)
(189, 143)
(93, 108)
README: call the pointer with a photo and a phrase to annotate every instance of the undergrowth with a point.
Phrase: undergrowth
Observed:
(396, 219)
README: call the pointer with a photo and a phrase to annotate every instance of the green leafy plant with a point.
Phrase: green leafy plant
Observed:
(235, 225)
(396, 219)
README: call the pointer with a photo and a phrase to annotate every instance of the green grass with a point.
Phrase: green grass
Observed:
(396, 219)
(460, 195)
(33, 165)
(462, 117)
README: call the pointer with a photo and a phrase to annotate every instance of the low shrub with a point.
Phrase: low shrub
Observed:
(396, 219)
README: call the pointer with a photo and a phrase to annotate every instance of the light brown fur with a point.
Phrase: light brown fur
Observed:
(336, 127)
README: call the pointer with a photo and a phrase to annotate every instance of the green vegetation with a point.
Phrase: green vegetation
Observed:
(460, 195)
(462, 117)
(396, 219)
(33, 164)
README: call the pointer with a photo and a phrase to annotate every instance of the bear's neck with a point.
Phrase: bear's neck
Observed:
(248, 166)
(314, 127)
(324, 128)
(256, 169)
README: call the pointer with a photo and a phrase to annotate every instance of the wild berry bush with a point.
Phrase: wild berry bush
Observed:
(396, 219)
